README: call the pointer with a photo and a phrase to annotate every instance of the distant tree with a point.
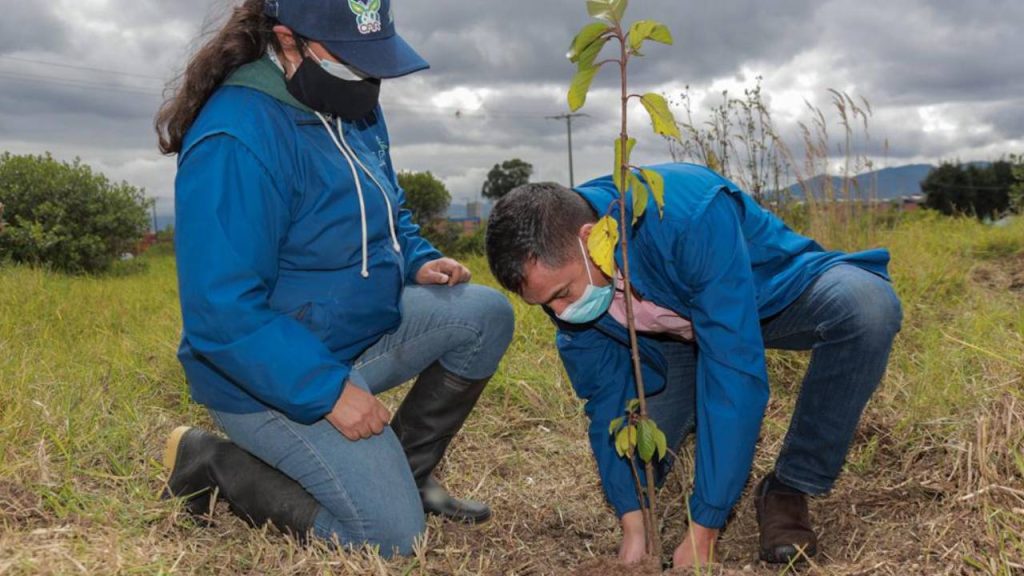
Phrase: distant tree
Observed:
(1016, 189)
(65, 216)
(426, 196)
(506, 176)
(982, 190)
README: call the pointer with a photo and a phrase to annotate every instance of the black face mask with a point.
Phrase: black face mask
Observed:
(349, 100)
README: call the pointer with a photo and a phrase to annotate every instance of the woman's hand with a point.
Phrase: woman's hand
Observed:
(634, 541)
(443, 271)
(358, 414)
(697, 549)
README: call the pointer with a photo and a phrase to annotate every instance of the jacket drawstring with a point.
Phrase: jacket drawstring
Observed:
(359, 192)
(391, 215)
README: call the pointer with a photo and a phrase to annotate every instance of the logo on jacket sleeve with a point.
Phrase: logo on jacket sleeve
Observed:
(367, 15)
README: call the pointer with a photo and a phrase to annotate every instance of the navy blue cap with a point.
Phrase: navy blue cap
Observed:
(358, 32)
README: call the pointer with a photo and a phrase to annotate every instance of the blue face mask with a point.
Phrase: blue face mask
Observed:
(593, 303)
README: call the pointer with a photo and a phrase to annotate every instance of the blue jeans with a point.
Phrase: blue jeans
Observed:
(848, 319)
(365, 488)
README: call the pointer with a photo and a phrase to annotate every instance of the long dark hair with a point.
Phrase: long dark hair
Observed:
(243, 38)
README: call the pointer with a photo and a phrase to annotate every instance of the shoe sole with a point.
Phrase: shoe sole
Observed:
(469, 520)
(793, 557)
(172, 448)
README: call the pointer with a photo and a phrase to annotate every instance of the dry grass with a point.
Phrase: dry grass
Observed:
(935, 482)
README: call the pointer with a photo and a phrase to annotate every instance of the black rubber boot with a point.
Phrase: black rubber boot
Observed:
(429, 417)
(200, 464)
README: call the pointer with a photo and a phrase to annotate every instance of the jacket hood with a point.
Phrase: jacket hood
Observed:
(264, 76)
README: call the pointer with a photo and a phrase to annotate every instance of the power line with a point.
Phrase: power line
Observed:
(79, 67)
(412, 108)
(457, 113)
(77, 83)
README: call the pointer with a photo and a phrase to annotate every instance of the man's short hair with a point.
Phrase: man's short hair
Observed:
(536, 222)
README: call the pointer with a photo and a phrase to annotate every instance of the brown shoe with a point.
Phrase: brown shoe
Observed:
(784, 522)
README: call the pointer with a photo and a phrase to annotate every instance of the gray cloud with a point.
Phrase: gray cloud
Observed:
(31, 26)
(941, 76)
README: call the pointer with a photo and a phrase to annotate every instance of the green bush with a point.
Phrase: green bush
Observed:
(65, 216)
(451, 241)
(472, 244)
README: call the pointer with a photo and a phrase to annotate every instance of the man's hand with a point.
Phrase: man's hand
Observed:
(443, 271)
(634, 541)
(696, 549)
(358, 414)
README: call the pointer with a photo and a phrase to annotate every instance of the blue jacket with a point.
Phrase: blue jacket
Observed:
(292, 249)
(720, 260)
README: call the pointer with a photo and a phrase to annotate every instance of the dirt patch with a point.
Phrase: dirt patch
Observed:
(18, 504)
(1004, 274)
(610, 566)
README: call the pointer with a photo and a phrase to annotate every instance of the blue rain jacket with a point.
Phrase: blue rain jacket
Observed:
(720, 260)
(270, 249)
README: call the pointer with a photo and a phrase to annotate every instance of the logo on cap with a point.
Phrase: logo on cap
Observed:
(367, 15)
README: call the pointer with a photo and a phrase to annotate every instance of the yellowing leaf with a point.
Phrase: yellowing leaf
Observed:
(604, 237)
(621, 161)
(661, 443)
(713, 162)
(622, 442)
(640, 196)
(632, 436)
(608, 10)
(648, 30)
(656, 183)
(587, 36)
(580, 86)
(633, 405)
(661, 117)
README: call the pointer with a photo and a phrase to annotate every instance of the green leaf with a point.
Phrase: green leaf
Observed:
(621, 161)
(648, 30)
(660, 442)
(661, 117)
(656, 182)
(607, 10)
(633, 405)
(604, 236)
(646, 444)
(586, 38)
(580, 86)
(589, 54)
(640, 196)
(615, 425)
(632, 436)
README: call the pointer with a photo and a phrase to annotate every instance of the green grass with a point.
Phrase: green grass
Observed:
(90, 386)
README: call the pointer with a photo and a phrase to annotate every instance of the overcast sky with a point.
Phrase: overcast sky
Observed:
(83, 78)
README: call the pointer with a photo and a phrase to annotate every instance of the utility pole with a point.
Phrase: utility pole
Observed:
(568, 125)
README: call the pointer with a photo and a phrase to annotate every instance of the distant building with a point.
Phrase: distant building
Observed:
(912, 203)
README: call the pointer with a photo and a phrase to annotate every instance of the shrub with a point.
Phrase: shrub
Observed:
(65, 216)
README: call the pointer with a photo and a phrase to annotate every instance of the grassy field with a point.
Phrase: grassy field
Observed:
(90, 387)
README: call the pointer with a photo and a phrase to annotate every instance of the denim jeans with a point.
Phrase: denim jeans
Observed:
(848, 319)
(365, 488)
